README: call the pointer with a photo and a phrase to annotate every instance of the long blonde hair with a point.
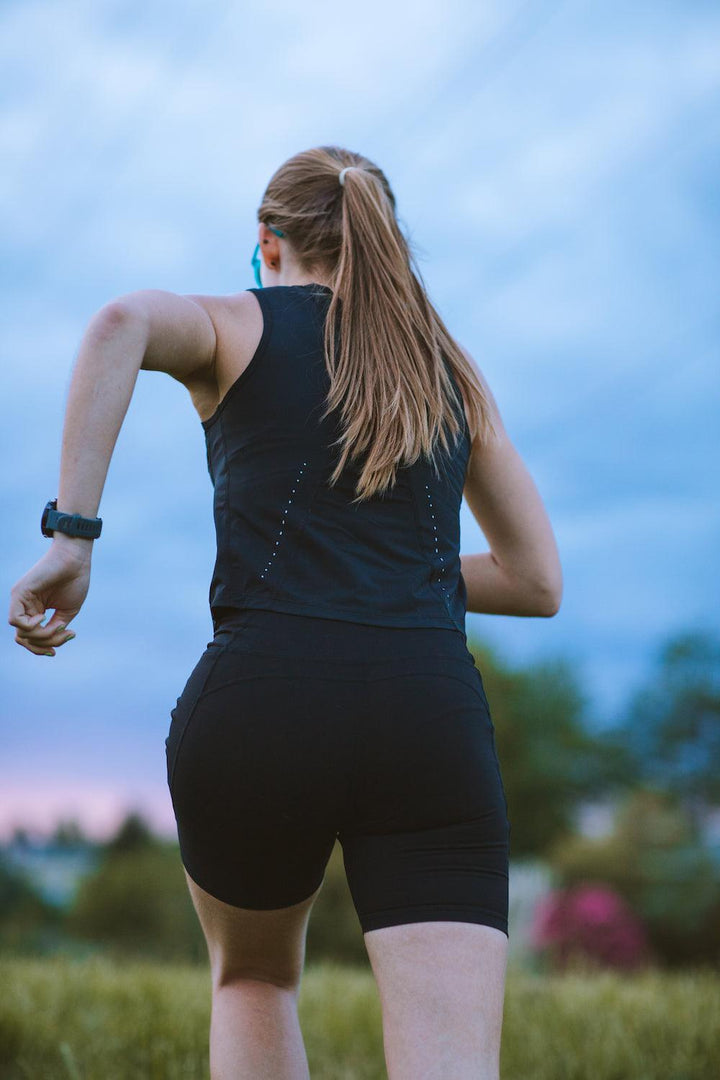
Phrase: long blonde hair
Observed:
(388, 379)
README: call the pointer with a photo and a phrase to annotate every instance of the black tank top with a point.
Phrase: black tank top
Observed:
(286, 540)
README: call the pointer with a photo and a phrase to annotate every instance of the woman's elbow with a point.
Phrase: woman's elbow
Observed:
(549, 597)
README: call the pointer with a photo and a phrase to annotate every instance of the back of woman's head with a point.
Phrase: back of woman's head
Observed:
(388, 377)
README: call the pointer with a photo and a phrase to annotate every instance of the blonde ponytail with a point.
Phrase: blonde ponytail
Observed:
(388, 378)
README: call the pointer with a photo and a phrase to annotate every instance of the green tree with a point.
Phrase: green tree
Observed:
(550, 760)
(27, 921)
(133, 834)
(137, 902)
(657, 860)
(672, 726)
(68, 833)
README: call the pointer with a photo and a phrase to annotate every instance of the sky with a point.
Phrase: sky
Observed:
(555, 166)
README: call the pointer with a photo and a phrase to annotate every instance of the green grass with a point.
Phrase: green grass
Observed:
(64, 1019)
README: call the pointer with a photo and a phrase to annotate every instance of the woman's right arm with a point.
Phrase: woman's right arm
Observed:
(521, 574)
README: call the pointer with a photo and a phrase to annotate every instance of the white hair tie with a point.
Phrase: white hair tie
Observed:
(342, 173)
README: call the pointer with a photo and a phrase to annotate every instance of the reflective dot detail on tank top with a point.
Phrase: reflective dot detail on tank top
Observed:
(435, 537)
(286, 507)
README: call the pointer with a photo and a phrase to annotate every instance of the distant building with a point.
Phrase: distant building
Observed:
(53, 869)
(596, 819)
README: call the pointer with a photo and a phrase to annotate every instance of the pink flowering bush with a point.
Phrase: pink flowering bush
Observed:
(589, 922)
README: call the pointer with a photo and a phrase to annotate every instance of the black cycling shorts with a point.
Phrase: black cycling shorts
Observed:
(293, 731)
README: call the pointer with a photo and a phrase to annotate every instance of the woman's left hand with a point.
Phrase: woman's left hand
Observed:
(59, 580)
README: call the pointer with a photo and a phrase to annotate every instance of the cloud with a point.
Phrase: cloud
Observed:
(556, 166)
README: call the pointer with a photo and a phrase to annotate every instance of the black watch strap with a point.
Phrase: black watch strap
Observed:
(71, 524)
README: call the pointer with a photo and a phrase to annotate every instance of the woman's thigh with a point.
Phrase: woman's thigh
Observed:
(442, 988)
(427, 837)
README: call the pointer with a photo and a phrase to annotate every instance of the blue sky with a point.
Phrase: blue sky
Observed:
(554, 165)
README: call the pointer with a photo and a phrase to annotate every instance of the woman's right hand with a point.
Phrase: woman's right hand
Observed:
(59, 580)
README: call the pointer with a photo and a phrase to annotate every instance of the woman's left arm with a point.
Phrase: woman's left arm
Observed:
(149, 329)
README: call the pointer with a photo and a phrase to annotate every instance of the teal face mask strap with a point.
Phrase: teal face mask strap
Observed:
(255, 261)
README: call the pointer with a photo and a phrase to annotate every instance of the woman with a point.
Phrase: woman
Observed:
(338, 698)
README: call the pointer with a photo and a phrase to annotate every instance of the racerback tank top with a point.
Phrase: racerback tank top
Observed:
(286, 540)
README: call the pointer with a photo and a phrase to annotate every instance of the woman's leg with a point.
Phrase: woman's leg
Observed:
(442, 988)
(256, 962)
(427, 859)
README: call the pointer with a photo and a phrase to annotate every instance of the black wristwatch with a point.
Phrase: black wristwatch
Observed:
(72, 524)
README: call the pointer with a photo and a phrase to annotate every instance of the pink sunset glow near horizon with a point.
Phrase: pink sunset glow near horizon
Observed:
(98, 809)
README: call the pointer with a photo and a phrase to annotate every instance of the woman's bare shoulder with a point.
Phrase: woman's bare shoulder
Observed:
(238, 322)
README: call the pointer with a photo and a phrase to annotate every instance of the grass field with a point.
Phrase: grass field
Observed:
(63, 1019)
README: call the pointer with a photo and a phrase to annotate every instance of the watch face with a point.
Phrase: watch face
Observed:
(43, 521)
